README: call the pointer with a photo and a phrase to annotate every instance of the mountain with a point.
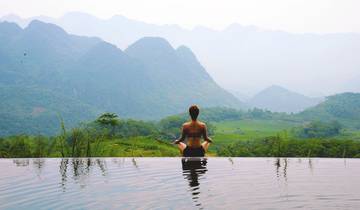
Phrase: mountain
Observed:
(34, 110)
(279, 99)
(46, 72)
(251, 57)
(178, 75)
(341, 107)
(241, 96)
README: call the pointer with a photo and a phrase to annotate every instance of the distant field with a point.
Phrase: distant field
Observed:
(253, 126)
(227, 132)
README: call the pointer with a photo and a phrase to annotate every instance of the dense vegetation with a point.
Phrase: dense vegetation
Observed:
(276, 146)
(36, 111)
(318, 129)
(343, 107)
(106, 136)
(235, 133)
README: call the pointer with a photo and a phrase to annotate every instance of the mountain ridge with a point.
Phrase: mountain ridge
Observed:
(301, 62)
(90, 73)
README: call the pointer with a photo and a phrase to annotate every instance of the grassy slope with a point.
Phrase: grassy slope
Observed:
(227, 132)
(139, 147)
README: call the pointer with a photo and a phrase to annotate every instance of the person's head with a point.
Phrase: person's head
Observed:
(194, 112)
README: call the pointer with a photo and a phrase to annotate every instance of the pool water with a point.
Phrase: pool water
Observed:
(175, 183)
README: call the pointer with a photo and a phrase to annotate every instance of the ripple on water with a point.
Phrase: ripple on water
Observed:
(171, 183)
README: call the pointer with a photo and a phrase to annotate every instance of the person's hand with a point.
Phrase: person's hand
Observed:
(176, 141)
(209, 140)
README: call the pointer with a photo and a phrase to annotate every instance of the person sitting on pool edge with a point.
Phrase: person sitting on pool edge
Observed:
(193, 131)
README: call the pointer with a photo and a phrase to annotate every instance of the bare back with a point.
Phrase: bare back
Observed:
(193, 131)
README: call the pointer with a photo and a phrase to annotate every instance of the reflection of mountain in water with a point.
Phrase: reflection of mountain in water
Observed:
(193, 169)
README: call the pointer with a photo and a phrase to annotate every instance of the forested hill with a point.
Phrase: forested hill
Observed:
(46, 72)
(342, 107)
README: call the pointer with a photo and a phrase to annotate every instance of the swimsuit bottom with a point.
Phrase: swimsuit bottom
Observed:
(194, 152)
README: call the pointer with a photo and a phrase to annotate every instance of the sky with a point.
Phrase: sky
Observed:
(299, 16)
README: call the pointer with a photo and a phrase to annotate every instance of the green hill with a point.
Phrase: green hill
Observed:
(44, 68)
(344, 107)
(30, 110)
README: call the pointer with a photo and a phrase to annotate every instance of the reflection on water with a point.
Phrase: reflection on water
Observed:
(63, 171)
(311, 165)
(278, 166)
(38, 166)
(231, 160)
(81, 167)
(21, 162)
(174, 183)
(193, 169)
(134, 162)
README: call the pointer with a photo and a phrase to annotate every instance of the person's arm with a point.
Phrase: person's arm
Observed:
(205, 135)
(182, 137)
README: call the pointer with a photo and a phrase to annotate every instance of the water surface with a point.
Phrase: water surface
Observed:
(173, 183)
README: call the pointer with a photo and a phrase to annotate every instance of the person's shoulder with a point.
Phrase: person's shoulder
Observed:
(186, 124)
(202, 124)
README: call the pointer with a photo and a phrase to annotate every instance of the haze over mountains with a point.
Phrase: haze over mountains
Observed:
(241, 58)
(46, 72)
(279, 99)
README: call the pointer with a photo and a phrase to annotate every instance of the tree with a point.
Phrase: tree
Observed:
(170, 126)
(109, 120)
(318, 129)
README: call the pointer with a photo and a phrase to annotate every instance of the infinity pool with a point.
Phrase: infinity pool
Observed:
(174, 183)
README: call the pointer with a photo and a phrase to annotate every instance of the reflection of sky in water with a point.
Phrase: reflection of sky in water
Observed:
(173, 183)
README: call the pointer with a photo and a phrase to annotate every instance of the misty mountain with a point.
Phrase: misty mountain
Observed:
(251, 58)
(46, 72)
(242, 97)
(279, 99)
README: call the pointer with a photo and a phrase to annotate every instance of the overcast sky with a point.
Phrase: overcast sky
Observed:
(320, 16)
